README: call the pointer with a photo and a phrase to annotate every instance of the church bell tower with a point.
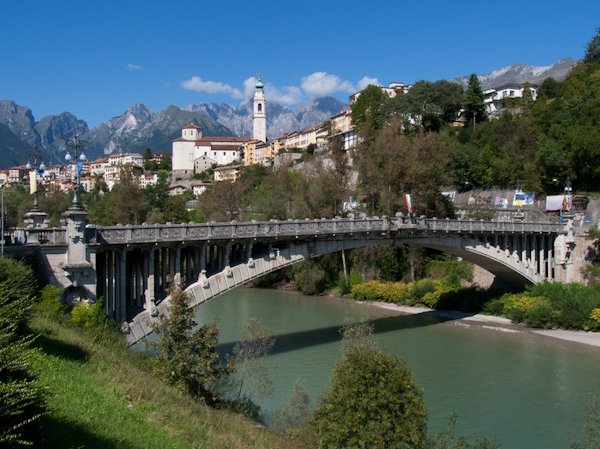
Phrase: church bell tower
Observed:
(260, 116)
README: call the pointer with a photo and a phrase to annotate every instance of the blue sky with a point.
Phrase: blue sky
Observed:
(96, 59)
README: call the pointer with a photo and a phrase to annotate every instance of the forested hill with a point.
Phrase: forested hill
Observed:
(537, 145)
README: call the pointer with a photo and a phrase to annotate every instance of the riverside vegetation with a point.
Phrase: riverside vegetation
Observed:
(68, 380)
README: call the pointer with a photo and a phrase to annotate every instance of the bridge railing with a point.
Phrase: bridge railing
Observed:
(42, 236)
(110, 235)
(103, 235)
(482, 226)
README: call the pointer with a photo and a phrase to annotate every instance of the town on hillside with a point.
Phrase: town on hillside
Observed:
(197, 160)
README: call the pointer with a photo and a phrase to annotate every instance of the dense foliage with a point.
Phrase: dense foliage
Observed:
(186, 355)
(372, 400)
(20, 393)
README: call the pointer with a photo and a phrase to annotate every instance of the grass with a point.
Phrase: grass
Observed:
(101, 394)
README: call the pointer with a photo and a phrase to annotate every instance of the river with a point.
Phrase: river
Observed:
(527, 390)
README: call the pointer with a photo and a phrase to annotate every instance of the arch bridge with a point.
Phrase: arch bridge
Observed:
(129, 265)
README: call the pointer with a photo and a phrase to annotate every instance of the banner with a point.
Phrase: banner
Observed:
(79, 167)
(32, 182)
(523, 199)
(409, 203)
(554, 202)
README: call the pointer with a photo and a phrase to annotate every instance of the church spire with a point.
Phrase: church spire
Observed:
(260, 116)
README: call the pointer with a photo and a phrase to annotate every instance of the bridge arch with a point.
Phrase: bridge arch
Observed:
(517, 258)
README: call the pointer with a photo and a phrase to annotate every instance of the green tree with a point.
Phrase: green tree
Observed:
(127, 200)
(186, 354)
(293, 416)
(474, 105)
(250, 379)
(366, 109)
(149, 163)
(592, 50)
(20, 395)
(165, 162)
(156, 195)
(372, 400)
(175, 210)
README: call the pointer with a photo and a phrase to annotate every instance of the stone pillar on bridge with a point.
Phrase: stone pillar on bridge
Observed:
(150, 287)
(79, 266)
(121, 285)
(177, 263)
(542, 256)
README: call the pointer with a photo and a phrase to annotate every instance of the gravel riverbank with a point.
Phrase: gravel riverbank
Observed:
(587, 338)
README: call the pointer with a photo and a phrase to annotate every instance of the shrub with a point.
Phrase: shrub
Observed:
(420, 289)
(50, 305)
(20, 397)
(186, 354)
(392, 292)
(88, 314)
(494, 307)
(372, 400)
(594, 323)
(540, 314)
(309, 278)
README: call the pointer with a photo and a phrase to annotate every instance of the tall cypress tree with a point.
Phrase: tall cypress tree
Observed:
(474, 105)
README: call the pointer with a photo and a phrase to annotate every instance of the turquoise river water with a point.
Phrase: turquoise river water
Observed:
(527, 390)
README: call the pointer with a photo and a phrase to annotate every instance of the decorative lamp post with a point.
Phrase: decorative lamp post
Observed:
(35, 154)
(75, 145)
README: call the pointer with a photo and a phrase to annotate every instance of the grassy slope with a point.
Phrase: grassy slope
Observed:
(101, 394)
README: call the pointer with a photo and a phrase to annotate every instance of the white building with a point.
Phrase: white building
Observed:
(192, 146)
(393, 89)
(496, 99)
(260, 114)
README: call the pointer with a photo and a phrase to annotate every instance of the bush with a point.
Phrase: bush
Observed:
(594, 324)
(494, 307)
(50, 305)
(20, 396)
(450, 269)
(392, 292)
(420, 288)
(309, 278)
(89, 315)
(372, 400)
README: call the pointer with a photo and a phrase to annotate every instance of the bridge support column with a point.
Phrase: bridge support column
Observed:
(542, 256)
(550, 257)
(177, 263)
(202, 265)
(121, 285)
(226, 256)
(149, 268)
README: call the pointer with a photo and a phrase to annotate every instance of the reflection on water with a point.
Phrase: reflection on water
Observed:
(528, 390)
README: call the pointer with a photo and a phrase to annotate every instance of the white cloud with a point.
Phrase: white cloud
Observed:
(249, 84)
(134, 67)
(285, 95)
(211, 87)
(319, 84)
(365, 81)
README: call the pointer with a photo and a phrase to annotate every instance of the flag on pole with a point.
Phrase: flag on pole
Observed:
(409, 203)
(32, 182)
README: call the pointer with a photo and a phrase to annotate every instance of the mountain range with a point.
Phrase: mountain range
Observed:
(139, 127)
(520, 73)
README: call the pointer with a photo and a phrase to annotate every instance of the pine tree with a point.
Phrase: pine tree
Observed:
(474, 105)
(187, 356)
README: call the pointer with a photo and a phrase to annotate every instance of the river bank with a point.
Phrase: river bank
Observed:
(582, 337)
